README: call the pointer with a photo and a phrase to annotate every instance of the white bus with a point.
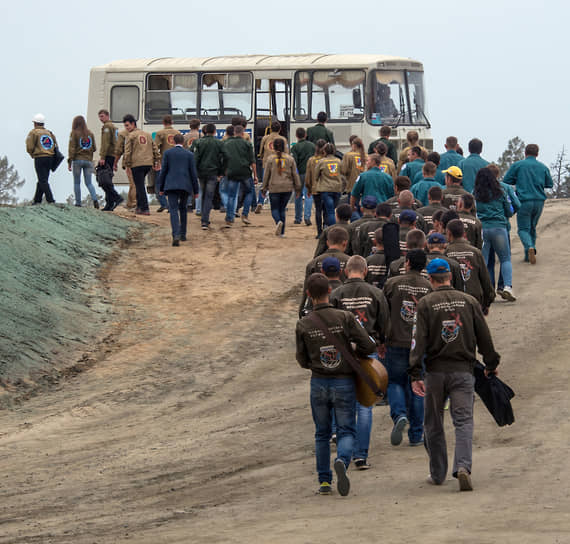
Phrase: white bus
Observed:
(359, 93)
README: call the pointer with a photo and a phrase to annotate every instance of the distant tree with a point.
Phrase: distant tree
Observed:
(560, 170)
(9, 182)
(513, 153)
(86, 201)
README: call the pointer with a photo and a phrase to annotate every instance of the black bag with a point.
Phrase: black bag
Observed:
(57, 156)
(104, 175)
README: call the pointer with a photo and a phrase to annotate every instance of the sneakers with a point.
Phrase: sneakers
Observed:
(431, 481)
(205, 227)
(362, 464)
(245, 220)
(96, 204)
(333, 439)
(508, 294)
(142, 212)
(175, 242)
(342, 481)
(308, 222)
(464, 479)
(161, 209)
(532, 255)
(117, 202)
(258, 208)
(397, 432)
(499, 291)
(416, 444)
(183, 238)
(228, 225)
(296, 222)
(278, 228)
(325, 488)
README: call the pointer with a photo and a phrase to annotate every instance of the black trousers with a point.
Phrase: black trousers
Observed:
(111, 195)
(139, 175)
(42, 166)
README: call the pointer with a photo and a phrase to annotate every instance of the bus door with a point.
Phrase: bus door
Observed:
(272, 103)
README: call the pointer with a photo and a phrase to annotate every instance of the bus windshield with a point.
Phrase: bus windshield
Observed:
(396, 98)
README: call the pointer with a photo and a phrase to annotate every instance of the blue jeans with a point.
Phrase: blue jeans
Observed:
(178, 208)
(299, 203)
(231, 202)
(403, 402)
(224, 192)
(207, 189)
(153, 179)
(87, 168)
(497, 239)
(333, 396)
(248, 191)
(278, 203)
(491, 267)
(527, 219)
(330, 200)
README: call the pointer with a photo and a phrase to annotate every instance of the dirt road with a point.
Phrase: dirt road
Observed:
(194, 424)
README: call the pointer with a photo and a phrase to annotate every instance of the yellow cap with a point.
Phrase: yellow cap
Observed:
(454, 171)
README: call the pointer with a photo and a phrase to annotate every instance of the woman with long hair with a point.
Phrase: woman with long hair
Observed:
(80, 158)
(353, 163)
(493, 210)
(328, 182)
(280, 177)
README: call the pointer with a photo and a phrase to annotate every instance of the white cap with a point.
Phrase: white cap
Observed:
(39, 118)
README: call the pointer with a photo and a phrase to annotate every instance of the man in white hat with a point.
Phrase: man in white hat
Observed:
(41, 144)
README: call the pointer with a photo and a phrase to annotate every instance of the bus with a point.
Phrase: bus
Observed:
(359, 94)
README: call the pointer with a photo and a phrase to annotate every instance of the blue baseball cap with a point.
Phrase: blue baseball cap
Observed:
(330, 264)
(409, 216)
(436, 238)
(437, 266)
(370, 202)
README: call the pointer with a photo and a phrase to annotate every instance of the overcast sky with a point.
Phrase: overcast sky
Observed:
(493, 69)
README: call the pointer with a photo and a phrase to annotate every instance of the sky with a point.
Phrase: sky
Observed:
(493, 69)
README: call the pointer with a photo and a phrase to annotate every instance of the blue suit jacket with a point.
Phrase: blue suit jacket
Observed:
(178, 171)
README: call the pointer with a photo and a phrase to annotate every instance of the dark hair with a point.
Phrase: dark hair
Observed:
(106, 112)
(279, 147)
(344, 212)
(381, 148)
(435, 193)
(360, 146)
(532, 150)
(434, 157)
(275, 126)
(301, 133)
(210, 128)
(329, 149)
(322, 117)
(317, 286)
(129, 119)
(230, 130)
(429, 168)
(238, 120)
(417, 150)
(455, 228)
(351, 138)
(412, 136)
(336, 236)
(448, 216)
(402, 182)
(468, 200)
(417, 259)
(475, 146)
(379, 235)
(451, 141)
(415, 239)
(437, 215)
(459, 150)
(238, 130)
(319, 146)
(385, 131)
(194, 124)
(167, 120)
(178, 139)
(375, 158)
(383, 210)
(487, 188)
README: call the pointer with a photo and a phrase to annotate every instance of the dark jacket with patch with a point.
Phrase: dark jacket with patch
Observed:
(377, 269)
(367, 303)
(315, 352)
(473, 229)
(362, 245)
(473, 271)
(449, 327)
(403, 294)
(427, 213)
(451, 195)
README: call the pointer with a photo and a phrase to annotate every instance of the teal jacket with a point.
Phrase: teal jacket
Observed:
(302, 151)
(374, 182)
(470, 166)
(495, 213)
(530, 177)
(410, 169)
(420, 189)
(439, 177)
(449, 158)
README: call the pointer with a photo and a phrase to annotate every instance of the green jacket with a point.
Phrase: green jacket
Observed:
(374, 182)
(238, 156)
(449, 158)
(530, 177)
(470, 166)
(392, 153)
(302, 151)
(410, 169)
(209, 156)
(420, 190)
(320, 132)
(495, 213)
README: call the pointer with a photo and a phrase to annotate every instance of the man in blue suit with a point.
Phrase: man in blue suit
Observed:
(178, 179)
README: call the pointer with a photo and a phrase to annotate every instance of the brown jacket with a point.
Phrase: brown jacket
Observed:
(310, 172)
(81, 149)
(451, 196)
(120, 143)
(164, 139)
(108, 140)
(40, 142)
(388, 167)
(266, 146)
(351, 167)
(140, 150)
(327, 175)
(283, 181)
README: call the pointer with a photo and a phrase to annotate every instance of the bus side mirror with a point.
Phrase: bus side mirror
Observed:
(356, 98)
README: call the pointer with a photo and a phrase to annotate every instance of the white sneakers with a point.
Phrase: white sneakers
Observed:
(507, 293)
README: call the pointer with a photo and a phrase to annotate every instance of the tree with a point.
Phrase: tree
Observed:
(10, 182)
(560, 170)
(513, 153)
(86, 201)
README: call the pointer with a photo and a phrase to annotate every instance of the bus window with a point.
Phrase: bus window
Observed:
(171, 94)
(224, 96)
(124, 100)
(336, 93)
(301, 111)
(416, 88)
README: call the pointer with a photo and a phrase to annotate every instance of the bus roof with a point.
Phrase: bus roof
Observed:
(256, 62)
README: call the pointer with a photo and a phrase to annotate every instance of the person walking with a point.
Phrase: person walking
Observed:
(40, 145)
(530, 177)
(280, 178)
(320, 131)
(80, 158)
(391, 153)
(164, 140)
(493, 210)
(107, 155)
(472, 164)
(311, 184)
(353, 164)
(302, 152)
(178, 180)
(448, 326)
(141, 154)
(453, 187)
(421, 188)
(328, 182)
(451, 157)
(122, 136)
(373, 182)
(415, 163)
